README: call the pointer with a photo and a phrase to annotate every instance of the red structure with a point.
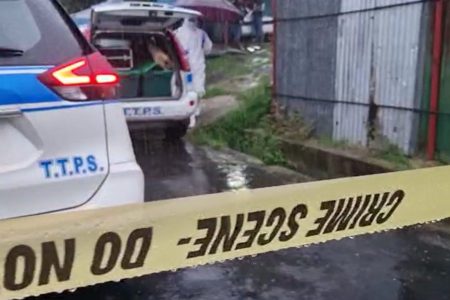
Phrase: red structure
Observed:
(435, 78)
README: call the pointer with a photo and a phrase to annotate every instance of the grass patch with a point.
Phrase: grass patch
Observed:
(443, 158)
(393, 154)
(246, 129)
(214, 92)
(329, 142)
(227, 66)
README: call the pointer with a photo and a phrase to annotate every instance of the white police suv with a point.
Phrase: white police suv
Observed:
(63, 143)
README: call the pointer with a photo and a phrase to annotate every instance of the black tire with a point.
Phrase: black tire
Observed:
(177, 130)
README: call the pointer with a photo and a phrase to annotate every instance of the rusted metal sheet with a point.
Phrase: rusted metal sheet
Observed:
(378, 65)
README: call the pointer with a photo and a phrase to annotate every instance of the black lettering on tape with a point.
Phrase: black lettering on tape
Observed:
(210, 226)
(277, 216)
(10, 281)
(373, 210)
(112, 239)
(394, 202)
(184, 241)
(299, 212)
(225, 236)
(258, 217)
(321, 222)
(345, 212)
(143, 234)
(50, 260)
(361, 211)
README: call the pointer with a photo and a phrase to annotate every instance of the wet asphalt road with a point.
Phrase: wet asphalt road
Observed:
(406, 264)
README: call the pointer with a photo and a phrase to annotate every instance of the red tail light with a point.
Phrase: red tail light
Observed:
(67, 76)
(86, 78)
(181, 53)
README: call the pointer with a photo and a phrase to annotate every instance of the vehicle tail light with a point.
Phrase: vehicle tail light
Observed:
(86, 78)
(181, 53)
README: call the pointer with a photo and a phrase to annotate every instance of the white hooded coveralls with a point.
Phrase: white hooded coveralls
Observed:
(197, 44)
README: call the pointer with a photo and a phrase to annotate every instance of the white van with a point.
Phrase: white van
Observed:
(151, 95)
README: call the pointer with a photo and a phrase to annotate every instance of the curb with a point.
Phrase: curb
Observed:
(327, 164)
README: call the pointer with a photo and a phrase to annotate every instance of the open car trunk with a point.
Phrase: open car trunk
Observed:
(122, 30)
(141, 77)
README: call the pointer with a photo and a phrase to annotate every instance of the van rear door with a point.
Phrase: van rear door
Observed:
(138, 16)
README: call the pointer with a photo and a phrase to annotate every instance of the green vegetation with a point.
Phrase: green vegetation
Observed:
(252, 130)
(293, 128)
(247, 129)
(233, 74)
(227, 66)
(393, 154)
(214, 92)
(329, 142)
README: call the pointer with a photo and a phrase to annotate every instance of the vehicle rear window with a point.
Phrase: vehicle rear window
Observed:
(37, 28)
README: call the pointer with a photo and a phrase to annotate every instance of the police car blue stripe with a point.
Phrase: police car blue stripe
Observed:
(20, 71)
(24, 68)
(59, 107)
(21, 86)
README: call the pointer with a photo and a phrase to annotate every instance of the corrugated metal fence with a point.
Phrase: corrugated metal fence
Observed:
(354, 69)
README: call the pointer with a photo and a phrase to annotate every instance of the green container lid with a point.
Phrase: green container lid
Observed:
(140, 70)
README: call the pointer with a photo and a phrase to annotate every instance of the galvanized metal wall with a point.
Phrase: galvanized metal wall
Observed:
(353, 72)
(361, 62)
(306, 60)
(378, 55)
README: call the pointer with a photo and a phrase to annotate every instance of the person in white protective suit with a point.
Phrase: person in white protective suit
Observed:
(197, 45)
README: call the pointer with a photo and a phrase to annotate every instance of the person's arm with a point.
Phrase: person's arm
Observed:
(249, 11)
(207, 44)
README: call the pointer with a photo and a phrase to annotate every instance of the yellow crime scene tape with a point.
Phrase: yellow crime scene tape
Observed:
(54, 253)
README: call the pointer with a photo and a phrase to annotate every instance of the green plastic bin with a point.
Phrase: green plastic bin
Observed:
(130, 86)
(157, 84)
(129, 83)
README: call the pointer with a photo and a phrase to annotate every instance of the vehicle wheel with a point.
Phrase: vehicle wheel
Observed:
(177, 130)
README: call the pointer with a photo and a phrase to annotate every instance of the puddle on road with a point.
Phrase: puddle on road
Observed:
(179, 169)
